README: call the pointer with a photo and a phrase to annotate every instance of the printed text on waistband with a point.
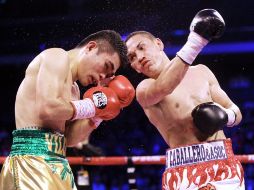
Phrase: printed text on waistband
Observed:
(196, 154)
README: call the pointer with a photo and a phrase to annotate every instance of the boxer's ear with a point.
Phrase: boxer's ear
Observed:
(159, 43)
(91, 45)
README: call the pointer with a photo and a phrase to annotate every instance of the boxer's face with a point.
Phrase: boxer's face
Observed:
(144, 54)
(98, 66)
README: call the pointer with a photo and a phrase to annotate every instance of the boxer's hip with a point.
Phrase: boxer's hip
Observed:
(198, 165)
(38, 143)
(37, 161)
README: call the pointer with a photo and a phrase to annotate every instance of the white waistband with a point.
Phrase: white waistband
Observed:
(215, 150)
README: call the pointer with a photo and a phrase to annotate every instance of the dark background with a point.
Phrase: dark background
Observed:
(29, 26)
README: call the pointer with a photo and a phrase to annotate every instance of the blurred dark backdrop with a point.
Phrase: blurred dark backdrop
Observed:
(29, 26)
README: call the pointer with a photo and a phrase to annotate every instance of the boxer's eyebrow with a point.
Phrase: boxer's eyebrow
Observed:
(131, 52)
(139, 44)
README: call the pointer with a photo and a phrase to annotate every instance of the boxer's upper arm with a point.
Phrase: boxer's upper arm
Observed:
(52, 75)
(151, 91)
(217, 93)
(219, 96)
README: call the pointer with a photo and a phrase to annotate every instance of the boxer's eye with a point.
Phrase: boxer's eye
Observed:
(109, 75)
(109, 69)
(131, 58)
(106, 66)
(141, 46)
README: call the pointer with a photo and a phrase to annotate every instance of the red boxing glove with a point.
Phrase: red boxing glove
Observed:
(107, 105)
(124, 90)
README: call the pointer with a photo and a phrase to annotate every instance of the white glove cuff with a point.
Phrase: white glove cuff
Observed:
(83, 109)
(231, 117)
(192, 47)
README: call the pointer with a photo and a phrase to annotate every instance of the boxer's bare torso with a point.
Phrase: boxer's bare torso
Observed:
(172, 115)
(29, 99)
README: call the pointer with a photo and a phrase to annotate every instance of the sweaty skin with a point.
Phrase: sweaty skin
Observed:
(173, 90)
(43, 98)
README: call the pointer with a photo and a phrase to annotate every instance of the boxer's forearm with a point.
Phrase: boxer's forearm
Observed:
(78, 131)
(53, 109)
(171, 75)
(150, 92)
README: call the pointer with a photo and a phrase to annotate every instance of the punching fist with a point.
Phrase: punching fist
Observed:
(210, 117)
(123, 88)
(208, 23)
(105, 100)
(99, 102)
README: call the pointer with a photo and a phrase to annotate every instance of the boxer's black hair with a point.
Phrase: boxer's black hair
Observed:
(108, 41)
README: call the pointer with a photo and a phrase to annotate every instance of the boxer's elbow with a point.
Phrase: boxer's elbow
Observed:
(73, 140)
(46, 110)
(71, 144)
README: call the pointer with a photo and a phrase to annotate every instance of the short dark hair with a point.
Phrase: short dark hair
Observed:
(141, 32)
(108, 41)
